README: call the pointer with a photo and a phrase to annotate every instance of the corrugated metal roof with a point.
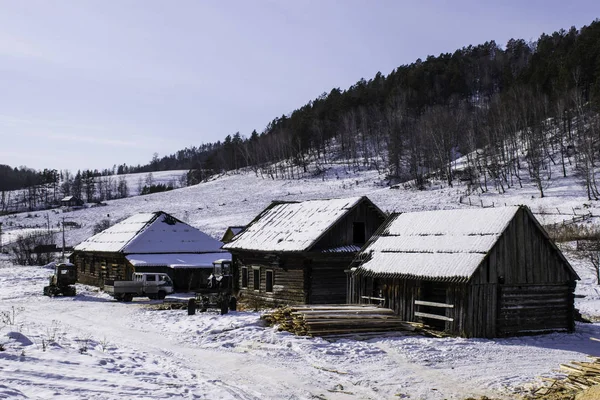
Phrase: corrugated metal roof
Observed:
(438, 266)
(480, 221)
(204, 260)
(446, 244)
(150, 233)
(292, 226)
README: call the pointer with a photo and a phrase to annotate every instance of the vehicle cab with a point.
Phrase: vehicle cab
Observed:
(154, 279)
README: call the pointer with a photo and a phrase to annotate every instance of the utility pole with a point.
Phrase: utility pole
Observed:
(63, 239)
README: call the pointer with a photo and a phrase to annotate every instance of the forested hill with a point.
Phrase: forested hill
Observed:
(421, 116)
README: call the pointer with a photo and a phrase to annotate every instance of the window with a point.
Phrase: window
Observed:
(358, 233)
(83, 266)
(150, 278)
(244, 277)
(269, 282)
(256, 280)
(92, 268)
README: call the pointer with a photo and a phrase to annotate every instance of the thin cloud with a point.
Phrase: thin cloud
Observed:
(16, 47)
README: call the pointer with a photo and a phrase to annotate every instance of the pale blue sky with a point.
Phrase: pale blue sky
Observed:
(89, 84)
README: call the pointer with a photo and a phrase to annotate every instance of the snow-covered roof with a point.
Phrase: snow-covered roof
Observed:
(446, 244)
(292, 226)
(149, 233)
(69, 198)
(204, 260)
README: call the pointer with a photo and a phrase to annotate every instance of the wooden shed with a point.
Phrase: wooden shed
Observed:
(474, 273)
(71, 201)
(230, 233)
(148, 242)
(296, 252)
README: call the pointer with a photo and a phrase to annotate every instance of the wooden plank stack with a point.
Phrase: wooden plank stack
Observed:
(337, 320)
(580, 376)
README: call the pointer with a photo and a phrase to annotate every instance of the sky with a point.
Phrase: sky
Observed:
(90, 84)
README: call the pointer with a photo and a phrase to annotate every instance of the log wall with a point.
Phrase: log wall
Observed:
(94, 268)
(327, 277)
(289, 277)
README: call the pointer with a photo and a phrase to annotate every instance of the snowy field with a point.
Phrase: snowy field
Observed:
(95, 348)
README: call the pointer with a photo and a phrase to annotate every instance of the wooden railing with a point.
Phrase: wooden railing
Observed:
(433, 304)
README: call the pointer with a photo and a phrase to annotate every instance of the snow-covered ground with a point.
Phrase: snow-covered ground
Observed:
(132, 351)
(92, 347)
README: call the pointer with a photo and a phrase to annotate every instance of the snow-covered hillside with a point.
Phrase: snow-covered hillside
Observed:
(133, 352)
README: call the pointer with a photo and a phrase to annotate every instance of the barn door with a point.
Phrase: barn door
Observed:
(534, 308)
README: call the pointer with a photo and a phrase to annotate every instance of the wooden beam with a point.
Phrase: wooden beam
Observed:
(433, 316)
(373, 298)
(433, 304)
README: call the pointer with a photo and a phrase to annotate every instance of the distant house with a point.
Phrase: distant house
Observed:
(231, 232)
(475, 273)
(148, 242)
(71, 201)
(296, 252)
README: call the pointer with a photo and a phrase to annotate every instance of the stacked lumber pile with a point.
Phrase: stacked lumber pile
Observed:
(580, 376)
(337, 320)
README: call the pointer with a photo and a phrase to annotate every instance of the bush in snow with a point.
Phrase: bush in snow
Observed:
(102, 225)
(32, 249)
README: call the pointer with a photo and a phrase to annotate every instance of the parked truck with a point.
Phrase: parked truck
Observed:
(143, 284)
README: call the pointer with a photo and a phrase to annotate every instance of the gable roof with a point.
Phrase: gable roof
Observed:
(151, 233)
(292, 226)
(437, 245)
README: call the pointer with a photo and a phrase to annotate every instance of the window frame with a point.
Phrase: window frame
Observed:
(355, 226)
(272, 280)
(256, 282)
(244, 283)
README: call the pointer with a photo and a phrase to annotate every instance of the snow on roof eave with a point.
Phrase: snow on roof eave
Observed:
(177, 252)
(392, 275)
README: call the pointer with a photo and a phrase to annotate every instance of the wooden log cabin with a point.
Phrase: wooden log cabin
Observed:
(296, 252)
(148, 242)
(474, 273)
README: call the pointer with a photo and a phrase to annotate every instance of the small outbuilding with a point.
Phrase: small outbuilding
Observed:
(231, 232)
(297, 252)
(148, 242)
(71, 201)
(475, 273)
